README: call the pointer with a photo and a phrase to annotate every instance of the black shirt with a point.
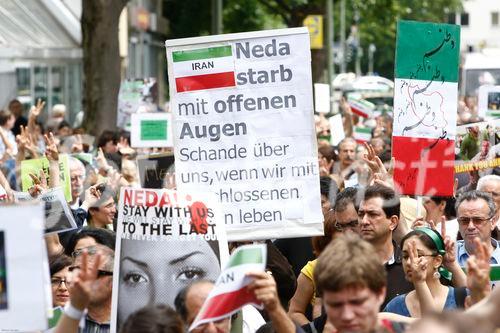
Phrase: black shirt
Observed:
(396, 281)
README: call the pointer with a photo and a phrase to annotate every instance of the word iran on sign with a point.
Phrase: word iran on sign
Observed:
(230, 292)
(206, 68)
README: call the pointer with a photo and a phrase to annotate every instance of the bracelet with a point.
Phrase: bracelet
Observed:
(73, 312)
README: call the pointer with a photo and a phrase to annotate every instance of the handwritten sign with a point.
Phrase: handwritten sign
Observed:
(243, 128)
(425, 104)
(34, 166)
(153, 169)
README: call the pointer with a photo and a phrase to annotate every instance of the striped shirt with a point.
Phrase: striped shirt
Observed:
(91, 326)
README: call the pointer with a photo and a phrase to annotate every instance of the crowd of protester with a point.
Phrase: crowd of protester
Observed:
(386, 263)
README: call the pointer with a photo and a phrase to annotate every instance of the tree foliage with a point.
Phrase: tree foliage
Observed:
(375, 19)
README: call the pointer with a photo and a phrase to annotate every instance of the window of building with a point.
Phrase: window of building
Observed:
(494, 19)
(464, 19)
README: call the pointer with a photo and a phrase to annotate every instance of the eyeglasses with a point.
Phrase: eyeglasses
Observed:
(349, 225)
(476, 220)
(100, 273)
(57, 282)
(91, 250)
(406, 256)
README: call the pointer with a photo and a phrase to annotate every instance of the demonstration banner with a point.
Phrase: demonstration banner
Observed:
(58, 216)
(151, 130)
(477, 148)
(23, 292)
(244, 129)
(165, 241)
(154, 169)
(425, 107)
(139, 95)
(34, 166)
(230, 293)
(488, 104)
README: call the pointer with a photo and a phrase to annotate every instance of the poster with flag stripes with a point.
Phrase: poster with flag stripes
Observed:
(243, 128)
(203, 68)
(425, 107)
(230, 292)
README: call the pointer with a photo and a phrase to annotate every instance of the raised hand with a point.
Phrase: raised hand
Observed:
(449, 246)
(39, 184)
(36, 110)
(372, 160)
(418, 265)
(325, 166)
(478, 271)
(92, 196)
(102, 163)
(77, 147)
(51, 151)
(82, 283)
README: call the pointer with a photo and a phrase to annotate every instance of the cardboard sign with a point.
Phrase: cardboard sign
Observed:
(35, 165)
(322, 97)
(488, 104)
(425, 107)
(244, 128)
(477, 147)
(165, 241)
(154, 168)
(22, 289)
(58, 216)
(138, 95)
(151, 130)
(336, 129)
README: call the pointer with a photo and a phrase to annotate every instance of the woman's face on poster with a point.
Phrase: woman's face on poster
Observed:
(149, 274)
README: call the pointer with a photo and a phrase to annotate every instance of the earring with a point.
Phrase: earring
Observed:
(436, 274)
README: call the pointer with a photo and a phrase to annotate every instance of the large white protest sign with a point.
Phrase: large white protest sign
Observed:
(22, 290)
(244, 129)
(58, 216)
(165, 241)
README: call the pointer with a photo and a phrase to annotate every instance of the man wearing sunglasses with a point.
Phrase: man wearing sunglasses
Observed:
(476, 219)
(98, 314)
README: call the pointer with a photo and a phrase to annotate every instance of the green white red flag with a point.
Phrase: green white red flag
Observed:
(205, 68)
(425, 107)
(362, 134)
(361, 107)
(230, 292)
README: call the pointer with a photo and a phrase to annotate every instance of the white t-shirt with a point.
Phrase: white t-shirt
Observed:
(451, 228)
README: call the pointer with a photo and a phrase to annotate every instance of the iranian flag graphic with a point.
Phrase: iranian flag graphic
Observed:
(362, 134)
(361, 107)
(425, 107)
(230, 292)
(201, 69)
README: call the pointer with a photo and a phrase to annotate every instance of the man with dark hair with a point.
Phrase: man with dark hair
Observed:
(189, 301)
(17, 110)
(108, 142)
(378, 217)
(89, 236)
(346, 216)
(476, 219)
(352, 284)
